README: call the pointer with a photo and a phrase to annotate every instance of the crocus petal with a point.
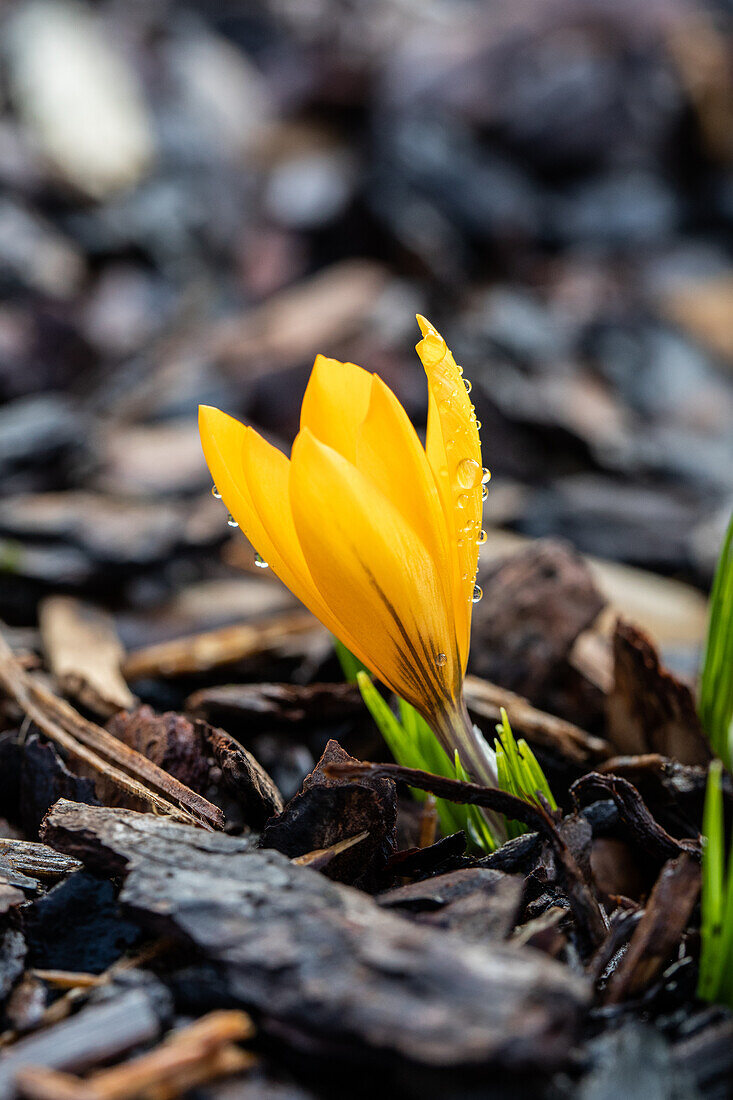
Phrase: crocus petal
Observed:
(390, 454)
(454, 453)
(335, 403)
(267, 473)
(245, 466)
(375, 574)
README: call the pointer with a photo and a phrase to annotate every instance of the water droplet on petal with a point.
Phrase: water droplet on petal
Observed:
(463, 499)
(468, 473)
(482, 536)
(468, 384)
(460, 542)
(485, 476)
(260, 562)
(441, 659)
(478, 425)
(231, 522)
(484, 492)
(215, 493)
(477, 593)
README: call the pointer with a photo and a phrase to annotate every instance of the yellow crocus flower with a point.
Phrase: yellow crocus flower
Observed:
(375, 534)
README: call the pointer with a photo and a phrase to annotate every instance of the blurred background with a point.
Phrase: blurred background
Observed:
(198, 197)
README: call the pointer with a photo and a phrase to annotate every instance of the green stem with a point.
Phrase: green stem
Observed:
(457, 733)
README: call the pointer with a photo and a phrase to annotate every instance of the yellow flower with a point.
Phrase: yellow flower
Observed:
(375, 534)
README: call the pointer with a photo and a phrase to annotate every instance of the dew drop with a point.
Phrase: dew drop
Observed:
(482, 536)
(484, 492)
(468, 472)
(460, 542)
(260, 562)
(477, 593)
(231, 522)
(485, 476)
(463, 499)
(441, 659)
(468, 384)
(215, 493)
(478, 425)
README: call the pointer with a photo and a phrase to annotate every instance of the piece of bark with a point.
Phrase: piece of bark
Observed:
(10, 896)
(660, 929)
(97, 1033)
(188, 1057)
(214, 648)
(84, 654)
(649, 709)
(324, 960)
(634, 814)
(168, 739)
(436, 892)
(38, 859)
(99, 750)
(44, 778)
(252, 786)
(77, 926)
(475, 902)
(268, 705)
(535, 605)
(326, 811)
(485, 700)
(12, 959)
(298, 322)
(489, 913)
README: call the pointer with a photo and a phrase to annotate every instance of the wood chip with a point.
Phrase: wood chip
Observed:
(658, 933)
(213, 648)
(649, 709)
(189, 1057)
(85, 654)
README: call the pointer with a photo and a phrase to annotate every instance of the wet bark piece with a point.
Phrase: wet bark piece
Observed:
(44, 778)
(535, 605)
(189, 1056)
(214, 648)
(12, 960)
(77, 927)
(271, 705)
(434, 893)
(327, 810)
(659, 931)
(633, 813)
(84, 654)
(325, 960)
(187, 750)
(36, 859)
(255, 790)
(168, 739)
(101, 1031)
(649, 709)
(475, 902)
